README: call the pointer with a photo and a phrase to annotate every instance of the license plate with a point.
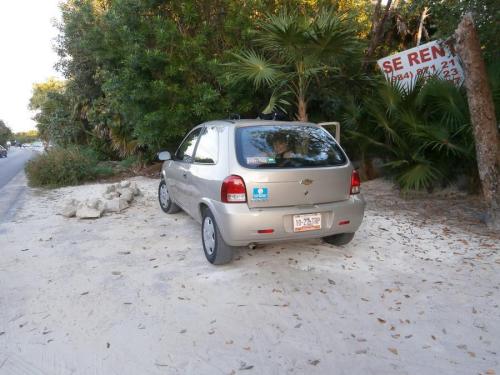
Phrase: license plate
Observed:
(303, 223)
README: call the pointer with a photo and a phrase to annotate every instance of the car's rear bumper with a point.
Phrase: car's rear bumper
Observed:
(239, 225)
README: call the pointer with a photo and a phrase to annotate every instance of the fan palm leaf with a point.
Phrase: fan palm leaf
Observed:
(284, 35)
(331, 38)
(419, 176)
(254, 67)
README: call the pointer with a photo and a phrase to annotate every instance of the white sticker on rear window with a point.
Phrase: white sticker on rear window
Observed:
(256, 160)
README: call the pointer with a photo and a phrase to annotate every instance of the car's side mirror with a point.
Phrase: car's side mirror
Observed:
(164, 155)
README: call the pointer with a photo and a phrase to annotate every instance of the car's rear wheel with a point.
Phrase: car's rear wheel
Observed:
(216, 250)
(339, 239)
(166, 202)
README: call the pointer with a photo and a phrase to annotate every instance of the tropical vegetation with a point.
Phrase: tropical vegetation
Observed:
(139, 74)
(297, 49)
(5, 133)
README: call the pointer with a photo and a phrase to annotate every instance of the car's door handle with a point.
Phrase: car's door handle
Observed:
(184, 174)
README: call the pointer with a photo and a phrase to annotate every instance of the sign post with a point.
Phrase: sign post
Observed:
(427, 60)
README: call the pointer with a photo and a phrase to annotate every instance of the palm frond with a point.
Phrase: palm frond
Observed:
(419, 176)
(332, 38)
(254, 67)
(277, 101)
(391, 95)
(283, 34)
(121, 139)
(443, 102)
(365, 138)
(396, 164)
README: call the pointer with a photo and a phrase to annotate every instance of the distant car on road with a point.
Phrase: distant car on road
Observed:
(258, 181)
(37, 146)
(3, 152)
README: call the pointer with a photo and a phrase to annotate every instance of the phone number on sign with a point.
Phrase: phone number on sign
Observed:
(447, 70)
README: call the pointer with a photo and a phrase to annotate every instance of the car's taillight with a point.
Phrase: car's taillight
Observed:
(233, 190)
(355, 182)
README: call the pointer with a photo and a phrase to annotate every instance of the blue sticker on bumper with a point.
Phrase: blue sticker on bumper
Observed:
(260, 194)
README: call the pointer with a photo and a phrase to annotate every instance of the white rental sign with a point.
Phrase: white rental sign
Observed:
(433, 58)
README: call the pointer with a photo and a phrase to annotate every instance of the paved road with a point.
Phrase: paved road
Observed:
(12, 180)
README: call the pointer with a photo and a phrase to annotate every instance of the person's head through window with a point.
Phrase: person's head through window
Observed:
(281, 146)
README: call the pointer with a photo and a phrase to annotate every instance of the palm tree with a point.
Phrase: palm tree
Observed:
(420, 133)
(294, 50)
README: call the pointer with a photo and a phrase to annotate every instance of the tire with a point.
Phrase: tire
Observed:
(216, 250)
(166, 203)
(339, 239)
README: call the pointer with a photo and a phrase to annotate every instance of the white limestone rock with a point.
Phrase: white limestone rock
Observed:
(135, 189)
(127, 194)
(116, 205)
(90, 209)
(69, 209)
(110, 189)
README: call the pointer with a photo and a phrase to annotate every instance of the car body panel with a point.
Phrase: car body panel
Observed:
(324, 190)
(239, 224)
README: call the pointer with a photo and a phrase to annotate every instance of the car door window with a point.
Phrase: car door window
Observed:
(208, 146)
(186, 149)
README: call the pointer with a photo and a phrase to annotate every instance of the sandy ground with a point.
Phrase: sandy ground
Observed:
(132, 293)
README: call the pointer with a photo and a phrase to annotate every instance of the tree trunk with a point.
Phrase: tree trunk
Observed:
(302, 109)
(367, 170)
(482, 113)
(376, 16)
(425, 13)
(377, 32)
(302, 86)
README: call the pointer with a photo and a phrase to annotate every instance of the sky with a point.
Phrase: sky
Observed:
(26, 56)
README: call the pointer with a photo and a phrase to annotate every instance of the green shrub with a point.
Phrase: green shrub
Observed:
(424, 136)
(103, 171)
(61, 167)
(130, 161)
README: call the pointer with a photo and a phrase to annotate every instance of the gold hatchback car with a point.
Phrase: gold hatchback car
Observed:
(258, 181)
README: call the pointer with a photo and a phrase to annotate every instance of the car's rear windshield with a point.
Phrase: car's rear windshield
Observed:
(287, 146)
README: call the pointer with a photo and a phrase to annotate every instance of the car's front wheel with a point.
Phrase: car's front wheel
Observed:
(165, 199)
(339, 239)
(216, 250)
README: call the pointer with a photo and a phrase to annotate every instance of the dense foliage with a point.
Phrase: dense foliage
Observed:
(296, 51)
(419, 134)
(5, 133)
(64, 166)
(54, 113)
(140, 74)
